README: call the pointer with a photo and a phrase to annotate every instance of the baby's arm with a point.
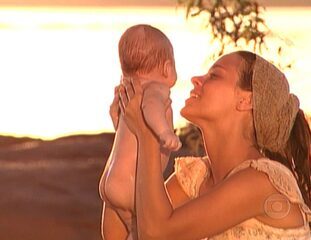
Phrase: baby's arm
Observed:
(154, 106)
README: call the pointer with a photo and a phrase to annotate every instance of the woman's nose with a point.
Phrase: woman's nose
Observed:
(196, 81)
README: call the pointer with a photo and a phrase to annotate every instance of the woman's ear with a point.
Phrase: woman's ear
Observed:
(244, 101)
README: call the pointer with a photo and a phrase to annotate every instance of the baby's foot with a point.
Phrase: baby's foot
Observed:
(170, 141)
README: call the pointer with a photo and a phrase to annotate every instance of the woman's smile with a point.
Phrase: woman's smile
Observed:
(193, 96)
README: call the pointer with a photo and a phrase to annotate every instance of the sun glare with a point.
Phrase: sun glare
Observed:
(59, 66)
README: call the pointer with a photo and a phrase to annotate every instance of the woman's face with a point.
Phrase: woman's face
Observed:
(214, 94)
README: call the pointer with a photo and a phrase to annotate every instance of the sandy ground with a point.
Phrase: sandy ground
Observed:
(49, 189)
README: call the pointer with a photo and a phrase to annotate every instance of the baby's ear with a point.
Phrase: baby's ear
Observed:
(244, 101)
(169, 69)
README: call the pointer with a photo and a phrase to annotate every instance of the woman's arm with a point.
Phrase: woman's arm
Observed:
(226, 205)
(114, 110)
(175, 192)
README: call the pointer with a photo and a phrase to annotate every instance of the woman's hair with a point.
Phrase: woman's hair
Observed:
(297, 150)
(143, 48)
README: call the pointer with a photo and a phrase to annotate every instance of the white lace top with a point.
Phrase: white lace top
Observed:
(191, 171)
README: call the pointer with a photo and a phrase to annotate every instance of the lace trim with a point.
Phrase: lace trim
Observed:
(253, 229)
(190, 173)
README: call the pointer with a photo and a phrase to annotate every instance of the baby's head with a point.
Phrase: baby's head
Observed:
(145, 50)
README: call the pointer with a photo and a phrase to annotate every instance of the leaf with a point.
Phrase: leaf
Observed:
(233, 21)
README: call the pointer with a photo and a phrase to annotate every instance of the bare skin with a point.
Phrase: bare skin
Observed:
(223, 113)
(117, 185)
(141, 47)
(118, 180)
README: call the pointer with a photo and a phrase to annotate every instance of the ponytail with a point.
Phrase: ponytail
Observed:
(296, 155)
(298, 149)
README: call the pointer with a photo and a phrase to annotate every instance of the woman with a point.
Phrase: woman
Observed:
(255, 183)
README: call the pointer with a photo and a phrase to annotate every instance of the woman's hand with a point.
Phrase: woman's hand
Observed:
(130, 94)
(114, 109)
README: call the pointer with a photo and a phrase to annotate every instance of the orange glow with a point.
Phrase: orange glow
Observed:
(59, 65)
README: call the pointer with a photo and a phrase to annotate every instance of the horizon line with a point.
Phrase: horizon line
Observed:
(132, 3)
(57, 136)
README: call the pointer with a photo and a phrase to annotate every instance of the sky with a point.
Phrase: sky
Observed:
(109, 3)
(59, 65)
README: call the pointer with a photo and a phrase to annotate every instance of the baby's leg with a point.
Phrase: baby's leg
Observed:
(112, 226)
(119, 183)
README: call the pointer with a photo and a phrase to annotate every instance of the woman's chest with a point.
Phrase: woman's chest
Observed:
(206, 186)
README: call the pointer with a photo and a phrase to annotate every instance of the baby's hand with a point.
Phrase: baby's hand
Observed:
(170, 141)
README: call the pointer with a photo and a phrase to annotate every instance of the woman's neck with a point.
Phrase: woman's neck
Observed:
(226, 149)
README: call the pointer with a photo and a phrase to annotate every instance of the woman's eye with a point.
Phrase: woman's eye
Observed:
(213, 75)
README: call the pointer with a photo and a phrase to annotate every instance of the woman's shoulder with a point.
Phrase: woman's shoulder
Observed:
(191, 172)
(280, 177)
(284, 182)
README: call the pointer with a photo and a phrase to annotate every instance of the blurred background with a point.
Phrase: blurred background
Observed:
(58, 68)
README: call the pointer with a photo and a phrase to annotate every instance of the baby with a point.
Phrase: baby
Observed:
(146, 54)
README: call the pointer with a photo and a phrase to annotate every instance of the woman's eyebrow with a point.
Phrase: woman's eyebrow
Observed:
(219, 66)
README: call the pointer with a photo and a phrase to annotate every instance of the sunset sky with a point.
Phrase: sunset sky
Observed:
(109, 3)
(59, 61)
